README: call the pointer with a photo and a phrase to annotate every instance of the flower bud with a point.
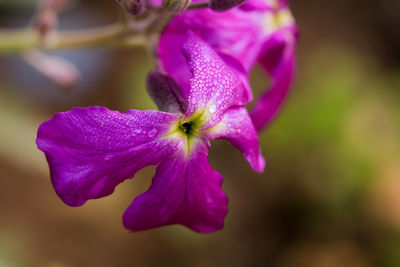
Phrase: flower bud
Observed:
(134, 7)
(223, 5)
(165, 92)
(176, 6)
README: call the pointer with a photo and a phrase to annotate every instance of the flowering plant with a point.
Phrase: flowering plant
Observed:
(203, 54)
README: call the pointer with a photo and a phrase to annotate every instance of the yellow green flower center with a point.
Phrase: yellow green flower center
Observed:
(186, 127)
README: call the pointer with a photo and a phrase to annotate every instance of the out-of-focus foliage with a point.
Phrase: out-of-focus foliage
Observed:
(330, 195)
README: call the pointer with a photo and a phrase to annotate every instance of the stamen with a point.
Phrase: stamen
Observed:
(186, 127)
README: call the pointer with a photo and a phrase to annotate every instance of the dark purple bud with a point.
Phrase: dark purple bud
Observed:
(165, 92)
(176, 6)
(223, 5)
(134, 7)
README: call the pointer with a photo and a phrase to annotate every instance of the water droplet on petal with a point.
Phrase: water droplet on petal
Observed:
(152, 133)
(213, 108)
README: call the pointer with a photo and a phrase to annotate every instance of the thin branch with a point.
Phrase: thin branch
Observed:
(17, 41)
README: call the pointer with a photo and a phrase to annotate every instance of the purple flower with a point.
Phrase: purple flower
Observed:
(257, 31)
(91, 150)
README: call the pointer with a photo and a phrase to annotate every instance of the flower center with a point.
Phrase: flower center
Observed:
(187, 127)
(190, 128)
(280, 18)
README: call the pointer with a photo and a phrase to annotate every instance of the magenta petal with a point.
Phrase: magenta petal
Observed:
(279, 59)
(215, 87)
(238, 129)
(258, 5)
(185, 190)
(91, 150)
(235, 32)
(237, 66)
(266, 5)
(170, 53)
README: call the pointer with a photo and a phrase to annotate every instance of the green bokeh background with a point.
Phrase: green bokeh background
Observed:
(330, 194)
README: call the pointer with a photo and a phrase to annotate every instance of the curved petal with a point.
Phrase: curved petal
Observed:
(238, 129)
(237, 66)
(185, 190)
(251, 5)
(215, 87)
(235, 32)
(91, 150)
(279, 59)
(266, 5)
(169, 52)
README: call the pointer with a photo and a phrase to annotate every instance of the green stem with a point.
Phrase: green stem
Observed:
(112, 35)
(17, 40)
(118, 34)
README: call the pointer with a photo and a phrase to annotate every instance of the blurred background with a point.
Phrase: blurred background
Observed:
(330, 195)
